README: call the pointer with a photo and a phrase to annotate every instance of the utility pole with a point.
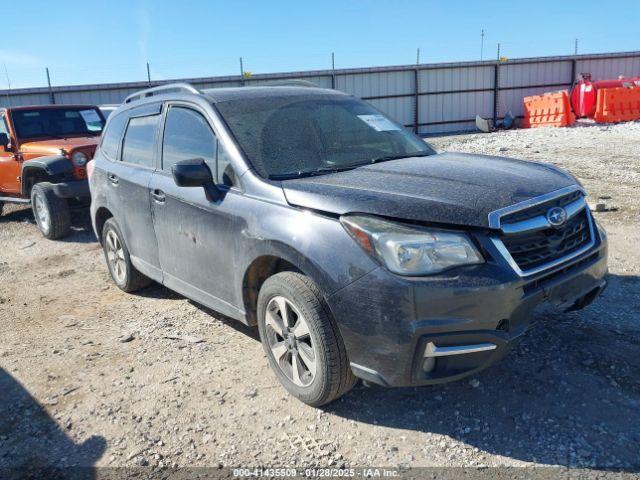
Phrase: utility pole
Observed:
(6, 72)
(575, 47)
(418, 56)
(481, 44)
(333, 60)
(52, 99)
(148, 74)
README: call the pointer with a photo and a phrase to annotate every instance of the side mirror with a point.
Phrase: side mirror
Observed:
(195, 173)
(4, 141)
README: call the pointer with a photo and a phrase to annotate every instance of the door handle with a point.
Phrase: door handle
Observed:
(158, 195)
(113, 178)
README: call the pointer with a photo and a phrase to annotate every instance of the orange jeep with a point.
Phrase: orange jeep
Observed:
(43, 155)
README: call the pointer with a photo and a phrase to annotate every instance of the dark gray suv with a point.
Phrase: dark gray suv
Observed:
(356, 249)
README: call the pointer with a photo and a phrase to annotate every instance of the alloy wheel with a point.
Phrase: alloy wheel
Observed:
(42, 212)
(115, 256)
(289, 339)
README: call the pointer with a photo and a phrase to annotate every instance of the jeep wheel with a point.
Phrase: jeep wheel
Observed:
(301, 340)
(122, 271)
(50, 211)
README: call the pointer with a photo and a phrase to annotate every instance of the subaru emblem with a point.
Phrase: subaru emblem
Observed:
(556, 216)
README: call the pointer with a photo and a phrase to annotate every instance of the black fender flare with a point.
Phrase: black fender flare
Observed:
(289, 254)
(53, 166)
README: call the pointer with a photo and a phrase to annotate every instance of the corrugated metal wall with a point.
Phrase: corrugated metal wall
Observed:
(432, 98)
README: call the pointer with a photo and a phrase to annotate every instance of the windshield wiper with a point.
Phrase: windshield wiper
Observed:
(53, 135)
(398, 157)
(317, 171)
(342, 168)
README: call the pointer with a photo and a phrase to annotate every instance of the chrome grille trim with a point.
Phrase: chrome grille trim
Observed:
(540, 222)
(496, 215)
(536, 223)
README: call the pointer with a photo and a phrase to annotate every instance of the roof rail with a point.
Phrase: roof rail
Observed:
(170, 87)
(286, 83)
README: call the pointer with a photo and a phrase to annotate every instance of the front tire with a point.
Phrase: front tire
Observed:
(116, 253)
(50, 211)
(301, 340)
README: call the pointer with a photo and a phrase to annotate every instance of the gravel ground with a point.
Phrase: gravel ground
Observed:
(90, 375)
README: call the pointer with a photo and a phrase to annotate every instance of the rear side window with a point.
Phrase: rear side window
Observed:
(112, 136)
(187, 135)
(3, 125)
(139, 140)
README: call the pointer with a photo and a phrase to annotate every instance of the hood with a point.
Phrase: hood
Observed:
(53, 146)
(449, 188)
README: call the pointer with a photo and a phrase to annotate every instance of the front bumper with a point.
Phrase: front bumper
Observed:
(389, 322)
(72, 189)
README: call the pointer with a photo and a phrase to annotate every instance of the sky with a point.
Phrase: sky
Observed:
(100, 41)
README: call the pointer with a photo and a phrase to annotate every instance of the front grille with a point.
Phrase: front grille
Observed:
(541, 208)
(534, 249)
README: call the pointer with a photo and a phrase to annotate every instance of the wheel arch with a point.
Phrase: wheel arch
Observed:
(50, 168)
(100, 218)
(31, 174)
(267, 264)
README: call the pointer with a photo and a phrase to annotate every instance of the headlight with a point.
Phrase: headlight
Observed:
(409, 250)
(79, 159)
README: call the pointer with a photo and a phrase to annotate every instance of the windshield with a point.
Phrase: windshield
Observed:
(57, 122)
(287, 136)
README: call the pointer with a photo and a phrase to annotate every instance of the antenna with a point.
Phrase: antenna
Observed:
(418, 56)
(6, 72)
(333, 70)
(575, 47)
(481, 44)
(52, 98)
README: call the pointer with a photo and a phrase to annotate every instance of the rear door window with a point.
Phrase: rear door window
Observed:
(139, 141)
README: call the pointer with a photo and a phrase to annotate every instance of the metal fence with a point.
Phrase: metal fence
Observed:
(430, 98)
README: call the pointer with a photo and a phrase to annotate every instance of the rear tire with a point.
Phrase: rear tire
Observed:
(311, 361)
(116, 253)
(50, 211)
(1, 207)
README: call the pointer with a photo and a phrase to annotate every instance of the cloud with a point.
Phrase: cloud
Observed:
(20, 59)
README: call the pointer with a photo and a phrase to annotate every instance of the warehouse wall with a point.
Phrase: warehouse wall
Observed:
(431, 98)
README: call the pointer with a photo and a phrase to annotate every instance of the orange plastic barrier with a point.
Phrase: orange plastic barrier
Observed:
(548, 110)
(617, 105)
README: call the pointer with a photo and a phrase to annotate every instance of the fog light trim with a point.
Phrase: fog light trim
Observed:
(434, 351)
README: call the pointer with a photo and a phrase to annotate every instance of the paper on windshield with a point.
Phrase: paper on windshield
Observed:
(379, 123)
(90, 116)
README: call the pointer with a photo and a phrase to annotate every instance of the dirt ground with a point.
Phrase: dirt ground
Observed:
(90, 375)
